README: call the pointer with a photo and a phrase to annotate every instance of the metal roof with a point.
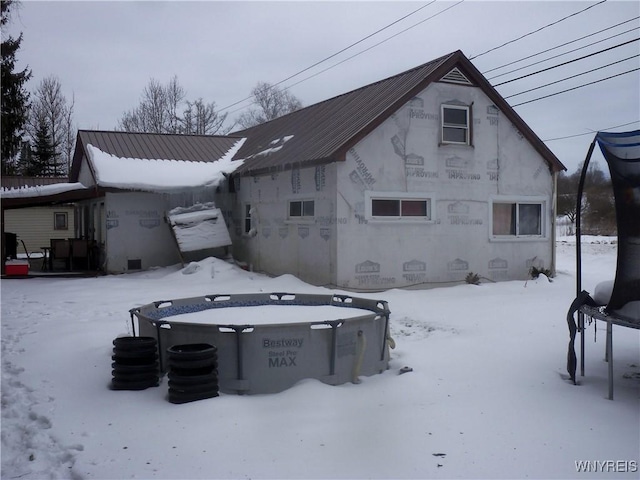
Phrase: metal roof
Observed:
(18, 181)
(324, 132)
(320, 133)
(156, 146)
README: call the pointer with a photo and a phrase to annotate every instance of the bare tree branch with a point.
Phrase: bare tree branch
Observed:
(271, 102)
(158, 112)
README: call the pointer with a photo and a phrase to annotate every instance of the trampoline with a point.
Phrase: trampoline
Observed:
(617, 301)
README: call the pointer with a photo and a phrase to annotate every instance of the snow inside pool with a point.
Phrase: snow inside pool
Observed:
(268, 314)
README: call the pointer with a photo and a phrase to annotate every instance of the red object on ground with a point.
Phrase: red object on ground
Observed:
(17, 267)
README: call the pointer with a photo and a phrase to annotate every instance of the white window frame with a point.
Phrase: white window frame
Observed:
(370, 196)
(64, 215)
(444, 126)
(520, 200)
(247, 219)
(302, 218)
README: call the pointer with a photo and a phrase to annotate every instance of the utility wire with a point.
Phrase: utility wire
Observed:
(561, 54)
(561, 45)
(573, 76)
(379, 43)
(538, 30)
(335, 54)
(357, 54)
(567, 62)
(575, 88)
(590, 133)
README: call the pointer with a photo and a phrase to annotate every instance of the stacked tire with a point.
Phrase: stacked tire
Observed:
(135, 363)
(193, 372)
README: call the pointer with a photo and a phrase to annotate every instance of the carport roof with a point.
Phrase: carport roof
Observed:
(19, 191)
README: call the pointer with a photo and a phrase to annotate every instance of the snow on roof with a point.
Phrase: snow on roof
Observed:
(159, 175)
(275, 146)
(40, 190)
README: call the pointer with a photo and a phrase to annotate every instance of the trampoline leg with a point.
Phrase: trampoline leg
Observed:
(610, 357)
(581, 327)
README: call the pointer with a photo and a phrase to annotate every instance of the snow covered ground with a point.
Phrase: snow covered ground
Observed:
(487, 398)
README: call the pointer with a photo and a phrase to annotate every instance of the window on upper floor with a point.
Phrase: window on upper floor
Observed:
(456, 127)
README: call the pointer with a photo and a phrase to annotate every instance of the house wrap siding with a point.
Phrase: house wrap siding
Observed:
(136, 230)
(280, 245)
(403, 155)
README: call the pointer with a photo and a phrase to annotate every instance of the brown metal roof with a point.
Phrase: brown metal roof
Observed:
(193, 148)
(324, 132)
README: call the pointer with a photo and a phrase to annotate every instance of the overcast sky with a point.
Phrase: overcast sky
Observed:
(105, 53)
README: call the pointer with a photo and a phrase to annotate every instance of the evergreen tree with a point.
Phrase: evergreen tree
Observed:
(43, 153)
(15, 99)
(50, 107)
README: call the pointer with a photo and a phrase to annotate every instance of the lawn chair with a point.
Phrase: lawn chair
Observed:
(615, 302)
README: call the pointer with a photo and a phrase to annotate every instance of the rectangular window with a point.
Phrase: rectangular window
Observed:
(518, 219)
(60, 221)
(247, 218)
(400, 206)
(301, 209)
(455, 124)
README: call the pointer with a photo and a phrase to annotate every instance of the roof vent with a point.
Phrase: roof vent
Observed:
(456, 76)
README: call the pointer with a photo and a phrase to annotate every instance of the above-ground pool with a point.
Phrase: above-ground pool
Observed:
(269, 341)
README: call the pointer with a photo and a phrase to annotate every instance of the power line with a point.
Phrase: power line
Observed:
(573, 76)
(354, 44)
(357, 54)
(537, 30)
(334, 54)
(590, 133)
(375, 45)
(567, 62)
(579, 86)
(561, 54)
(562, 45)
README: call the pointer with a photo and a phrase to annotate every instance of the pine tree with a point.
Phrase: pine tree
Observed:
(42, 153)
(15, 99)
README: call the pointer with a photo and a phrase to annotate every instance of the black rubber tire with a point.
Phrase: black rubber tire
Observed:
(118, 384)
(128, 343)
(134, 377)
(200, 388)
(178, 379)
(135, 369)
(178, 397)
(193, 364)
(147, 360)
(135, 353)
(192, 351)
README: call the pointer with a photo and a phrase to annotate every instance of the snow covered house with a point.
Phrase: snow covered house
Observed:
(418, 179)
(151, 196)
